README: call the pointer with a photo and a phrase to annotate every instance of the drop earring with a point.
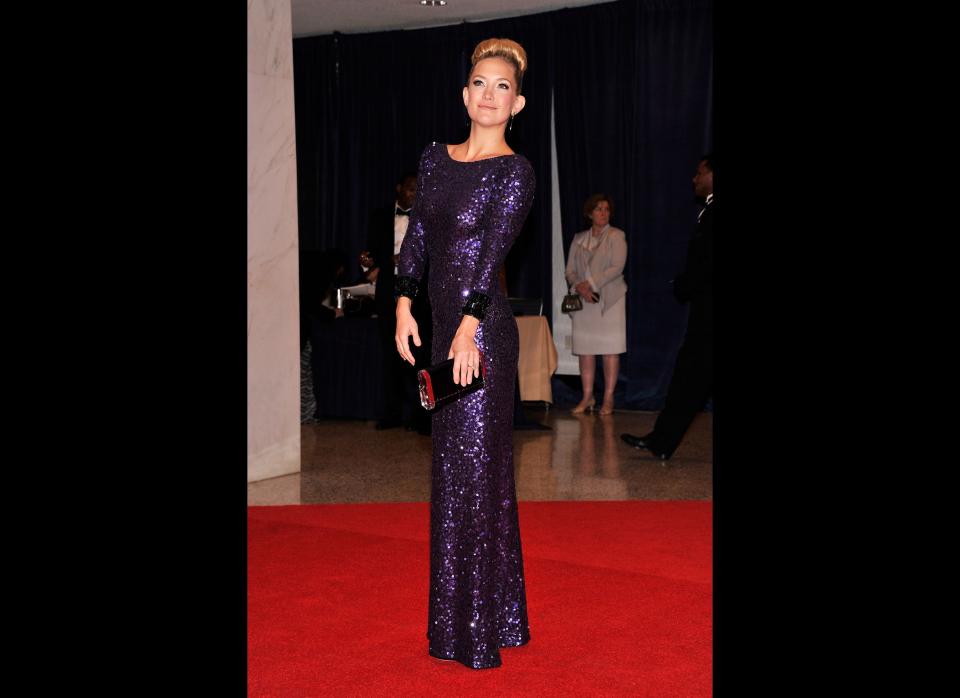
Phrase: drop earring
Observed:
(510, 127)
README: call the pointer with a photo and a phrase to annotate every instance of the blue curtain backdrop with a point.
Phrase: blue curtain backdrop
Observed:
(632, 87)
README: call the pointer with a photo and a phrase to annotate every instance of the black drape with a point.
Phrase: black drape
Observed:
(632, 89)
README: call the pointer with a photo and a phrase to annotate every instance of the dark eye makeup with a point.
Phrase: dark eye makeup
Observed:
(477, 82)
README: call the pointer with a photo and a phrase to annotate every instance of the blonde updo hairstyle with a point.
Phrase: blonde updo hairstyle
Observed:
(508, 50)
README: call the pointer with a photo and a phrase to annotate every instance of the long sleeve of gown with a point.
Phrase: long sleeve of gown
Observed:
(502, 225)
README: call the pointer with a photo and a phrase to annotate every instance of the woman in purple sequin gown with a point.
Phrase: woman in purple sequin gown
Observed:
(472, 200)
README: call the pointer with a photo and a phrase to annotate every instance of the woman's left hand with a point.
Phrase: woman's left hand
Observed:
(585, 290)
(464, 352)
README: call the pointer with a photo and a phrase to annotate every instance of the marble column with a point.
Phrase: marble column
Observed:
(273, 345)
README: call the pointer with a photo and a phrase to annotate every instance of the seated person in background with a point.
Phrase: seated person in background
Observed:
(320, 273)
(369, 267)
(358, 295)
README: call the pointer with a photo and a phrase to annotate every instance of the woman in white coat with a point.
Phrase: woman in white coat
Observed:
(595, 271)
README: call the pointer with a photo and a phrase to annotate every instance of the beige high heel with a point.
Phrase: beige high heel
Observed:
(606, 409)
(584, 406)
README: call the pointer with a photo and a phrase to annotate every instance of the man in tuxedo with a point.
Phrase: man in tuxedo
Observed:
(387, 228)
(692, 380)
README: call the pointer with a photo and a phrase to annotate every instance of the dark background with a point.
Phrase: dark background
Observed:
(632, 86)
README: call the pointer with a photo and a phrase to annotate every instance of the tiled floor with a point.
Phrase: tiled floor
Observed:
(580, 458)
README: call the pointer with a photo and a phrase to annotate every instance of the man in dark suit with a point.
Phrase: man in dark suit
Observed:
(692, 380)
(387, 228)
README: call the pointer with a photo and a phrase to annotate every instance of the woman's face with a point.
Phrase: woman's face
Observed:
(491, 92)
(600, 214)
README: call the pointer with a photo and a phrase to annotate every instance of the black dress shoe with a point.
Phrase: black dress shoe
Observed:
(642, 442)
(635, 441)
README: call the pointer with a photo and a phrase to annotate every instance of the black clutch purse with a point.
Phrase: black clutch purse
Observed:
(437, 387)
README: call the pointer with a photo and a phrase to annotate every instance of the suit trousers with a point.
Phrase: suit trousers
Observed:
(690, 386)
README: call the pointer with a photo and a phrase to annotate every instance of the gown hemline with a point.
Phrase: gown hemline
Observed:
(472, 665)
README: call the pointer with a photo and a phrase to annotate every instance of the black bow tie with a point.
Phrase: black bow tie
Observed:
(401, 212)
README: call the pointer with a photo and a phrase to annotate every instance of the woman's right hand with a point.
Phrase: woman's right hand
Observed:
(406, 327)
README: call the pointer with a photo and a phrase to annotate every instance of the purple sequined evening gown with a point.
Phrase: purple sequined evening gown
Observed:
(464, 220)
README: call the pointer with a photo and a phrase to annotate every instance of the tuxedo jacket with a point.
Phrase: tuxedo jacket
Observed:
(694, 285)
(380, 244)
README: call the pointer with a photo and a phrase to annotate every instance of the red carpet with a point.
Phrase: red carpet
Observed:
(618, 595)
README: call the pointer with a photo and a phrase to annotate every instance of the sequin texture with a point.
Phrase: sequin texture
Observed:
(464, 220)
(406, 286)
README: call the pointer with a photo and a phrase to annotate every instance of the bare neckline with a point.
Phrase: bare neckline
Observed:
(467, 162)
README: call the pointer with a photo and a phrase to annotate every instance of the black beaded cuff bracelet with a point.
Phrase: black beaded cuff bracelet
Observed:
(406, 286)
(476, 305)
